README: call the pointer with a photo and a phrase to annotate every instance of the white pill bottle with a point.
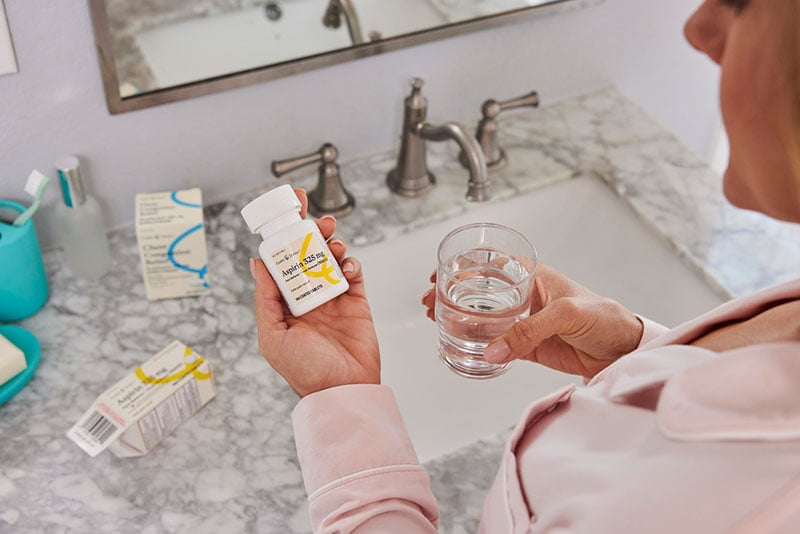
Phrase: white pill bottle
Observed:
(294, 251)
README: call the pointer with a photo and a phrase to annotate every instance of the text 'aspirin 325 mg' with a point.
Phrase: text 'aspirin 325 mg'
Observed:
(296, 255)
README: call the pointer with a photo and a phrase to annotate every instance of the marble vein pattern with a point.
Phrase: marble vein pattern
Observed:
(233, 467)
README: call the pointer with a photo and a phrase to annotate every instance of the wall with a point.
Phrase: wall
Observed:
(225, 142)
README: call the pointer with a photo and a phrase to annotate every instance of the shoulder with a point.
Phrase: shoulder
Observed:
(747, 393)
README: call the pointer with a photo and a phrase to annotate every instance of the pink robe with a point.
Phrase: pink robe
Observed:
(670, 438)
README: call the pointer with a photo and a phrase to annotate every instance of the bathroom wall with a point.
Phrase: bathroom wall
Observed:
(225, 142)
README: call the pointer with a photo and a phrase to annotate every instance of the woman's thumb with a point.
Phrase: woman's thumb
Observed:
(523, 338)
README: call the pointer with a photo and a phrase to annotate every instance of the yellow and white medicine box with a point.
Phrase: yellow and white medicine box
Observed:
(136, 413)
(172, 243)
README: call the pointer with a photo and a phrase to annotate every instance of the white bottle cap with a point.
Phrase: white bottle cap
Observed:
(271, 205)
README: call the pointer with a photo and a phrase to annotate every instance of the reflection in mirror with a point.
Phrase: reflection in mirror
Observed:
(148, 47)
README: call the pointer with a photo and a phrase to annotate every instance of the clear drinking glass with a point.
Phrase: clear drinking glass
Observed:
(484, 282)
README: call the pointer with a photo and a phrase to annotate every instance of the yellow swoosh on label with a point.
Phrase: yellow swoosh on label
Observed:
(325, 269)
(189, 368)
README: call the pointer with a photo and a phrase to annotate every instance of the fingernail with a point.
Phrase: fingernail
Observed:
(497, 352)
(253, 268)
(348, 267)
(329, 217)
(336, 241)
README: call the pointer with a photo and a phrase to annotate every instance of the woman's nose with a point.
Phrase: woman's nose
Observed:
(707, 29)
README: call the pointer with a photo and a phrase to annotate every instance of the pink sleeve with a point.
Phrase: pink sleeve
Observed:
(359, 466)
(651, 331)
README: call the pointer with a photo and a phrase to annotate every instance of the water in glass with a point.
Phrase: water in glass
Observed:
(478, 299)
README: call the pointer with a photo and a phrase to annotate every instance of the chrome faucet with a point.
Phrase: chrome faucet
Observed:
(333, 19)
(329, 197)
(411, 177)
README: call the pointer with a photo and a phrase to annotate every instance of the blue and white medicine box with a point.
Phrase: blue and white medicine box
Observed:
(172, 243)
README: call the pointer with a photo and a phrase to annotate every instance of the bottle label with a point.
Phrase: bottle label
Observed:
(306, 267)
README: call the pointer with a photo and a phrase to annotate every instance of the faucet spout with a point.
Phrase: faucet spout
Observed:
(333, 19)
(478, 186)
(411, 177)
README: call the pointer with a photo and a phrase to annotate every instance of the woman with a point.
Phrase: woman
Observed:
(696, 429)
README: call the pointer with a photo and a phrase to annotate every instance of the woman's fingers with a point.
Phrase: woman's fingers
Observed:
(429, 298)
(269, 307)
(539, 295)
(555, 285)
(326, 225)
(265, 285)
(429, 301)
(302, 196)
(338, 249)
(352, 270)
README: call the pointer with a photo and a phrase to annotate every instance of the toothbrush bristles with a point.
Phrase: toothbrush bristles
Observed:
(35, 181)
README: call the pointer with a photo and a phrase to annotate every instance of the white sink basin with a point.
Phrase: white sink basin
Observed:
(578, 226)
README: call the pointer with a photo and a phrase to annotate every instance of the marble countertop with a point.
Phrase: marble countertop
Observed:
(233, 466)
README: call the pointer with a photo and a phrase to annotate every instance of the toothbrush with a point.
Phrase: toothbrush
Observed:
(35, 186)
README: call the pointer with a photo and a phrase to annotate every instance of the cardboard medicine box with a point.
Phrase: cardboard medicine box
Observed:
(136, 413)
(172, 243)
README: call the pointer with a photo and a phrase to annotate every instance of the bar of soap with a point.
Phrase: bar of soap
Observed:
(12, 360)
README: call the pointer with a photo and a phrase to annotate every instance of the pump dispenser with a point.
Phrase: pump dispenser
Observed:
(294, 251)
(80, 224)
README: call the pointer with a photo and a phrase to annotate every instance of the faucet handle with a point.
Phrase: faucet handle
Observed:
(329, 197)
(491, 108)
(486, 132)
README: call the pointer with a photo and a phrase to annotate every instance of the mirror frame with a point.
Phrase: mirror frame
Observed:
(118, 104)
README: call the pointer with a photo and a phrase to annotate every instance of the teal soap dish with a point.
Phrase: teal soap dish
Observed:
(29, 345)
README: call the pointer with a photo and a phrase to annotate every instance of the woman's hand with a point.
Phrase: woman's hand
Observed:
(570, 329)
(332, 345)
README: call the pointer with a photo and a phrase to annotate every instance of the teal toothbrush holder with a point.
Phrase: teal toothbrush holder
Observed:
(23, 282)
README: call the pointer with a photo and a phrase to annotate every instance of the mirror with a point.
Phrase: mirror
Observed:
(161, 51)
